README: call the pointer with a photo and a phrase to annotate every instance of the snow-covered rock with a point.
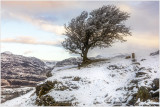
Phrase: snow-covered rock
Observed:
(154, 53)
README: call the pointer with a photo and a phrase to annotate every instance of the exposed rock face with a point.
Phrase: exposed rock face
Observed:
(49, 101)
(46, 100)
(154, 53)
(155, 84)
(155, 90)
(20, 70)
(44, 88)
(4, 82)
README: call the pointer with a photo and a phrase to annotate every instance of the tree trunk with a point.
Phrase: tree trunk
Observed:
(85, 56)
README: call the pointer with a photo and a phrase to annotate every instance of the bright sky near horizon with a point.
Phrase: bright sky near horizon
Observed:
(35, 28)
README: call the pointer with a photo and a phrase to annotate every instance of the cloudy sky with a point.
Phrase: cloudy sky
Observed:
(35, 28)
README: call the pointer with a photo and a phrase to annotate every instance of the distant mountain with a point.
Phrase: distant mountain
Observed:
(20, 70)
(50, 64)
(69, 61)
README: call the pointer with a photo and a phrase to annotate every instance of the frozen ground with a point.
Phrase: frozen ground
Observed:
(104, 83)
(10, 93)
(21, 101)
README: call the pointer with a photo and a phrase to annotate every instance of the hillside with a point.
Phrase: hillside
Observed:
(117, 81)
(19, 74)
(17, 70)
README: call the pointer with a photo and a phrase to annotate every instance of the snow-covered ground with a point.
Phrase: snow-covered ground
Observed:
(97, 84)
(105, 83)
(10, 93)
(22, 101)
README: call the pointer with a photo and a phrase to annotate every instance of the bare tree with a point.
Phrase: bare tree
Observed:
(99, 28)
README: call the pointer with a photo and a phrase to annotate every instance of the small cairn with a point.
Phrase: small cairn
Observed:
(133, 57)
(134, 61)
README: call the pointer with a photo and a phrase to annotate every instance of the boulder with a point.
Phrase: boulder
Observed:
(140, 74)
(155, 84)
(49, 101)
(136, 63)
(76, 79)
(132, 101)
(155, 94)
(143, 59)
(154, 53)
(127, 57)
(44, 88)
(49, 74)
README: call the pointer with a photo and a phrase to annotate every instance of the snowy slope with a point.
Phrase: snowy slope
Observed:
(104, 83)
(21, 101)
(97, 84)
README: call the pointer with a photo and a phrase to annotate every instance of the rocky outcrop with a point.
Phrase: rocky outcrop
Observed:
(43, 89)
(144, 93)
(20, 70)
(4, 82)
(155, 84)
(154, 53)
(49, 101)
